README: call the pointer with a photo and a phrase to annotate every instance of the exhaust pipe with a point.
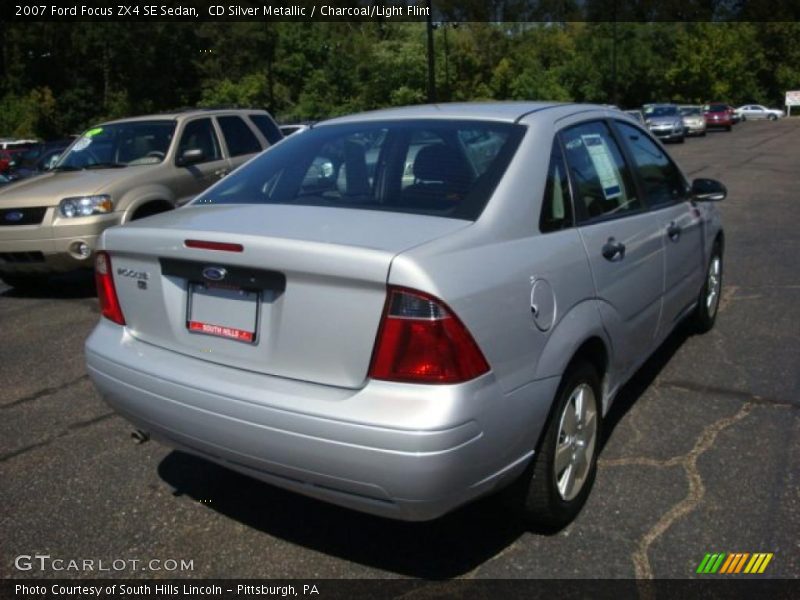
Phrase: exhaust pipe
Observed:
(139, 436)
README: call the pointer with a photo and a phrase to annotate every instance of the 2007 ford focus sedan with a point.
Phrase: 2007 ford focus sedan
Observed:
(407, 309)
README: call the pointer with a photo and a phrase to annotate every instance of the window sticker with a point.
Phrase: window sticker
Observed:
(602, 161)
(82, 144)
(86, 139)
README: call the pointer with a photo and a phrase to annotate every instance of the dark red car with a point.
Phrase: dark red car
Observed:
(718, 115)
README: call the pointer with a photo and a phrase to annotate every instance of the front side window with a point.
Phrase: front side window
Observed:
(124, 144)
(200, 135)
(663, 182)
(601, 180)
(238, 137)
(444, 168)
(557, 203)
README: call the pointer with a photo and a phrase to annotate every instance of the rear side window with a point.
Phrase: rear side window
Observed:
(238, 137)
(663, 182)
(601, 179)
(557, 203)
(267, 128)
(437, 167)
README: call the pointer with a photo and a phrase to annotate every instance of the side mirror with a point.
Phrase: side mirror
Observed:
(708, 190)
(191, 157)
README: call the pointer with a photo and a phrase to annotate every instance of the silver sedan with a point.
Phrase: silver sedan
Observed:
(404, 340)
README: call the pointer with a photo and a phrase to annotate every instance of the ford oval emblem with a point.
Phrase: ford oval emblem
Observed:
(14, 216)
(214, 273)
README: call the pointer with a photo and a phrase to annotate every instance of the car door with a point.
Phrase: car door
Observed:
(666, 193)
(193, 178)
(622, 240)
(240, 140)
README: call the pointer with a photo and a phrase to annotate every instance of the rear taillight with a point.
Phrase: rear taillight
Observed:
(420, 340)
(106, 292)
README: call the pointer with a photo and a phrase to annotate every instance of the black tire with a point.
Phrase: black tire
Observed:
(703, 134)
(681, 139)
(744, 118)
(544, 506)
(705, 314)
(729, 127)
(24, 282)
(773, 118)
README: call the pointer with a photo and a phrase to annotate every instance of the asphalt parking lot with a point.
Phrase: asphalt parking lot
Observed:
(702, 451)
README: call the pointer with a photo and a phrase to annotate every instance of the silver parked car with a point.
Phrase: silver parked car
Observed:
(756, 111)
(694, 122)
(665, 121)
(404, 344)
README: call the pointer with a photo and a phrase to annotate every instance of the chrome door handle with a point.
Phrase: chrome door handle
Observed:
(674, 231)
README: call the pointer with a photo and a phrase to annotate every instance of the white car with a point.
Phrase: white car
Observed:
(756, 111)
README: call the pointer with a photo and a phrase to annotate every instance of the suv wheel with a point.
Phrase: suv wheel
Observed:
(557, 483)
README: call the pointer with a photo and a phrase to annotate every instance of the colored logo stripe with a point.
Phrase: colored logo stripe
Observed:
(758, 563)
(734, 563)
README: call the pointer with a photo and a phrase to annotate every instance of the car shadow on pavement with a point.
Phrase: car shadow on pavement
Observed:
(447, 547)
(74, 285)
(642, 379)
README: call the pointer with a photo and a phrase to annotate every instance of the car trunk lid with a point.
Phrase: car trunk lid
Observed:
(298, 292)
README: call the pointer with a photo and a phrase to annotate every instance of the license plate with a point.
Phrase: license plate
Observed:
(223, 312)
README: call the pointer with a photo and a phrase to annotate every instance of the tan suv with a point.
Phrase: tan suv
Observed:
(116, 172)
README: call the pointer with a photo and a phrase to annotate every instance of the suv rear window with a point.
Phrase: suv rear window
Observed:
(267, 128)
(444, 168)
(238, 137)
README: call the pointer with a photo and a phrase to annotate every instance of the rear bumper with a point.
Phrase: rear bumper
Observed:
(450, 444)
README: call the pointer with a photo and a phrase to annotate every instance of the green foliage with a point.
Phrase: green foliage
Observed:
(60, 78)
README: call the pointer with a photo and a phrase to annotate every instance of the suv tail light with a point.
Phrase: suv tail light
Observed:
(106, 292)
(420, 340)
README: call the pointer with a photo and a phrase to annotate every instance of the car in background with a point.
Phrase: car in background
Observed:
(6, 179)
(39, 158)
(665, 122)
(16, 144)
(757, 111)
(636, 114)
(718, 115)
(117, 172)
(288, 130)
(404, 345)
(693, 120)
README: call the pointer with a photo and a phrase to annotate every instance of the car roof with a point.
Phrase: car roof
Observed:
(508, 112)
(182, 114)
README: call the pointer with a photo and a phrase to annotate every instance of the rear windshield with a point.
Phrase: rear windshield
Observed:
(432, 167)
(717, 108)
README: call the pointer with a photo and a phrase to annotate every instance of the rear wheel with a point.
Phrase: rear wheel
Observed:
(773, 118)
(24, 282)
(708, 303)
(555, 486)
